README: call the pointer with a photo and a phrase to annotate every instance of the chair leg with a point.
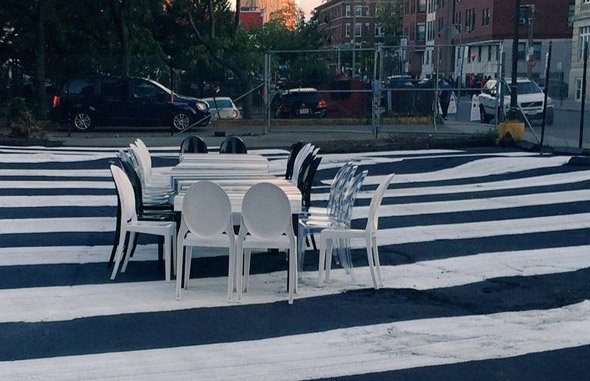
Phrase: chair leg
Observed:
(247, 258)
(371, 264)
(117, 233)
(179, 276)
(292, 272)
(173, 251)
(118, 253)
(188, 258)
(376, 260)
(329, 254)
(239, 271)
(313, 244)
(129, 249)
(167, 257)
(321, 261)
(231, 272)
(300, 248)
(134, 244)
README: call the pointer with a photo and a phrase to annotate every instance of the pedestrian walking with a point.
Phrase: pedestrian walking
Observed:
(446, 91)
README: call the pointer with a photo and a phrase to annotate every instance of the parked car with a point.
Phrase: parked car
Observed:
(222, 108)
(86, 103)
(530, 98)
(299, 103)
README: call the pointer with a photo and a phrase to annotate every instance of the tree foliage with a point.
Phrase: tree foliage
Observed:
(391, 18)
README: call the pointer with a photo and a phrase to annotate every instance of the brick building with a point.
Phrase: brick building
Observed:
(581, 35)
(485, 27)
(350, 22)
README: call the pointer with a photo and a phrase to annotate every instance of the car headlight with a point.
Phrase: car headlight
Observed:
(201, 106)
(549, 101)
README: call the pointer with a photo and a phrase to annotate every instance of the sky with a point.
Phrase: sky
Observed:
(306, 5)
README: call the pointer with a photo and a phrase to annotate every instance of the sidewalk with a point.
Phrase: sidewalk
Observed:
(278, 137)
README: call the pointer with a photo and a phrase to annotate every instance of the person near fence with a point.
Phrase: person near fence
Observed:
(446, 91)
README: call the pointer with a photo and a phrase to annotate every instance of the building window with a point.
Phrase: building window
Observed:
(430, 30)
(485, 17)
(489, 53)
(421, 32)
(358, 30)
(379, 32)
(358, 10)
(421, 6)
(347, 33)
(348, 11)
(578, 89)
(582, 40)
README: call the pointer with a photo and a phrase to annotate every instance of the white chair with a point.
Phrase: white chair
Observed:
(207, 222)
(328, 236)
(151, 184)
(161, 171)
(299, 159)
(130, 225)
(266, 223)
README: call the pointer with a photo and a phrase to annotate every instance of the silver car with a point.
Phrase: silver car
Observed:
(222, 108)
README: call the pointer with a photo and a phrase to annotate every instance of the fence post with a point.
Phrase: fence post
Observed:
(266, 92)
(547, 72)
(583, 107)
(376, 93)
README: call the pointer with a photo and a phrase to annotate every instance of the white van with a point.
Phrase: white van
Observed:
(530, 98)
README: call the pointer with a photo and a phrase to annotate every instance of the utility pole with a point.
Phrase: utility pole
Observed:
(353, 38)
(530, 49)
(512, 129)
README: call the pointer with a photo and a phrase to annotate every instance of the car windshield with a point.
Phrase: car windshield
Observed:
(527, 88)
(167, 90)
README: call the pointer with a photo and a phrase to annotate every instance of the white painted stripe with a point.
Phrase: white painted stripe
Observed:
(478, 168)
(427, 233)
(340, 352)
(57, 184)
(55, 200)
(51, 157)
(57, 225)
(506, 202)
(525, 182)
(44, 255)
(56, 172)
(71, 302)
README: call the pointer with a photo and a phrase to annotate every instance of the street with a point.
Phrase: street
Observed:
(484, 254)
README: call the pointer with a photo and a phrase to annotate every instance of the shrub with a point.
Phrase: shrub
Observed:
(21, 122)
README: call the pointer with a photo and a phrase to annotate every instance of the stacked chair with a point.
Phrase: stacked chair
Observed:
(193, 144)
(130, 224)
(338, 233)
(233, 144)
(337, 214)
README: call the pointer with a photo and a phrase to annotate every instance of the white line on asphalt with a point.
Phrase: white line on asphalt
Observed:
(338, 352)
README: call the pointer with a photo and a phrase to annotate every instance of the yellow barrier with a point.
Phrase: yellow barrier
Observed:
(510, 130)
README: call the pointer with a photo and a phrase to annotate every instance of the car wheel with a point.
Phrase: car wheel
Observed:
(485, 118)
(82, 120)
(181, 121)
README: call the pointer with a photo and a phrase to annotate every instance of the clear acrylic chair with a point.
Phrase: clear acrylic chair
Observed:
(266, 223)
(329, 236)
(130, 225)
(151, 183)
(206, 222)
(341, 219)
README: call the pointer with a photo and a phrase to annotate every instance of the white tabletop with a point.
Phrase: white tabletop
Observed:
(235, 173)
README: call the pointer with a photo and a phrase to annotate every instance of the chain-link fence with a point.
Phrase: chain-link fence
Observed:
(453, 88)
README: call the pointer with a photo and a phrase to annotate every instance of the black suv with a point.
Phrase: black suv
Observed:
(86, 103)
(299, 103)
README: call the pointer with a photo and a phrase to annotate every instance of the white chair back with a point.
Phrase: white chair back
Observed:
(373, 219)
(301, 156)
(126, 194)
(145, 153)
(206, 210)
(266, 212)
(141, 163)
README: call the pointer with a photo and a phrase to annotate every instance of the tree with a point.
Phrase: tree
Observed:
(391, 18)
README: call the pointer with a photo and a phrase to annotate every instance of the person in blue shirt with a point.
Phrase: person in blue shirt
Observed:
(446, 90)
